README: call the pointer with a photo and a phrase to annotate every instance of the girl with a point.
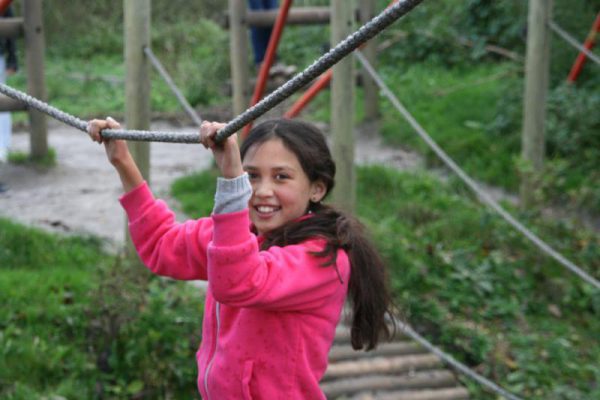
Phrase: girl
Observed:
(279, 263)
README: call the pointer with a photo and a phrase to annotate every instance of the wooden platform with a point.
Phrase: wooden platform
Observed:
(400, 369)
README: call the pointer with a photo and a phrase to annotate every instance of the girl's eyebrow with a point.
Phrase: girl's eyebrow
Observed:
(277, 168)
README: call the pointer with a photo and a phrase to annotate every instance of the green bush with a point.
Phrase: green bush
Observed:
(79, 323)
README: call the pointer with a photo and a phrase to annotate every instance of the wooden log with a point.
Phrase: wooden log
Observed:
(12, 27)
(342, 109)
(419, 380)
(238, 52)
(36, 82)
(296, 16)
(537, 67)
(457, 393)
(137, 88)
(381, 365)
(345, 352)
(10, 104)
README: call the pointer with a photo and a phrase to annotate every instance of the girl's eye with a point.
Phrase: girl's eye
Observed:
(281, 177)
(252, 175)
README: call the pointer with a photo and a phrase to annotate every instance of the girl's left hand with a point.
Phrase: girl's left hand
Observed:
(227, 153)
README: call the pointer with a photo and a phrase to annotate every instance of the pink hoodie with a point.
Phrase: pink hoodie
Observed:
(269, 316)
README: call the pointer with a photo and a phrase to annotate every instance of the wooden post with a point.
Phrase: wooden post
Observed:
(238, 47)
(537, 66)
(137, 81)
(36, 84)
(342, 108)
(370, 91)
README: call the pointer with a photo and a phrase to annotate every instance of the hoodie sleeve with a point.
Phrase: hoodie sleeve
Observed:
(286, 278)
(167, 248)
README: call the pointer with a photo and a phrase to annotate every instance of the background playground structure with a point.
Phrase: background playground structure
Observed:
(475, 110)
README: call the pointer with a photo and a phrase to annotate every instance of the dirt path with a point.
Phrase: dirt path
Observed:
(79, 195)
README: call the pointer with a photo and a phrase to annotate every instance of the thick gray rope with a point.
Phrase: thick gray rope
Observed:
(154, 136)
(573, 42)
(408, 331)
(483, 196)
(322, 64)
(169, 81)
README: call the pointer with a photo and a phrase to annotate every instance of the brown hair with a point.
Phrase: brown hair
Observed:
(368, 291)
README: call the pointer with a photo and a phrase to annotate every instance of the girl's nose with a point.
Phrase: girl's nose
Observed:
(263, 189)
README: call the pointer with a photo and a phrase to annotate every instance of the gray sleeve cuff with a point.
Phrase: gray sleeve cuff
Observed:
(232, 194)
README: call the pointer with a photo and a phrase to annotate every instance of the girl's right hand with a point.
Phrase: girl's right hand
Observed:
(227, 154)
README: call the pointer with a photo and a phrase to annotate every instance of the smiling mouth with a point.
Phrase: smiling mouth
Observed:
(266, 210)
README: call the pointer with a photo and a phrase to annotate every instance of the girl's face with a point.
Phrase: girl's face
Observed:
(281, 190)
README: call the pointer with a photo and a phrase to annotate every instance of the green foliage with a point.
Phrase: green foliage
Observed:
(195, 193)
(196, 55)
(477, 288)
(48, 161)
(454, 106)
(28, 248)
(78, 323)
(454, 31)
(570, 175)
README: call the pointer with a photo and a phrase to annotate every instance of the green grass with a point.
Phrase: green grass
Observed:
(77, 322)
(454, 105)
(45, 162)
(473, 285)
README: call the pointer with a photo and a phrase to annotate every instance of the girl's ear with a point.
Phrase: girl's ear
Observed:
(318, 190)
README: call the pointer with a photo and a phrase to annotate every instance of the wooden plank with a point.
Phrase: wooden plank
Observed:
(10, 104)
(13, 27)
(418, 380)
(345, 352)
(296, 16)
(381, 365)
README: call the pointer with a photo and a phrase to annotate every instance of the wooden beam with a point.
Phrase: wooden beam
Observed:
(238, 47)
(10, 104)
(296, 16)
(371, 93)
(36, 82)
(537, 67)
(137, 87)
(12, 27)
(342, 108)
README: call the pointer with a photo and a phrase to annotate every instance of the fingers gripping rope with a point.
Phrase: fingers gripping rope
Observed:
(322, 64)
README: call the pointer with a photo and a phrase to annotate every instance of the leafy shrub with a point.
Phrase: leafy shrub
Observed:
(78, 323)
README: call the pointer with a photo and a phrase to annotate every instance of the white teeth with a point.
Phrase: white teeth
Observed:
(265, 209)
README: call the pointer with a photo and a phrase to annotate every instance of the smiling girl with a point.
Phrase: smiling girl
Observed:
(279, 262)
